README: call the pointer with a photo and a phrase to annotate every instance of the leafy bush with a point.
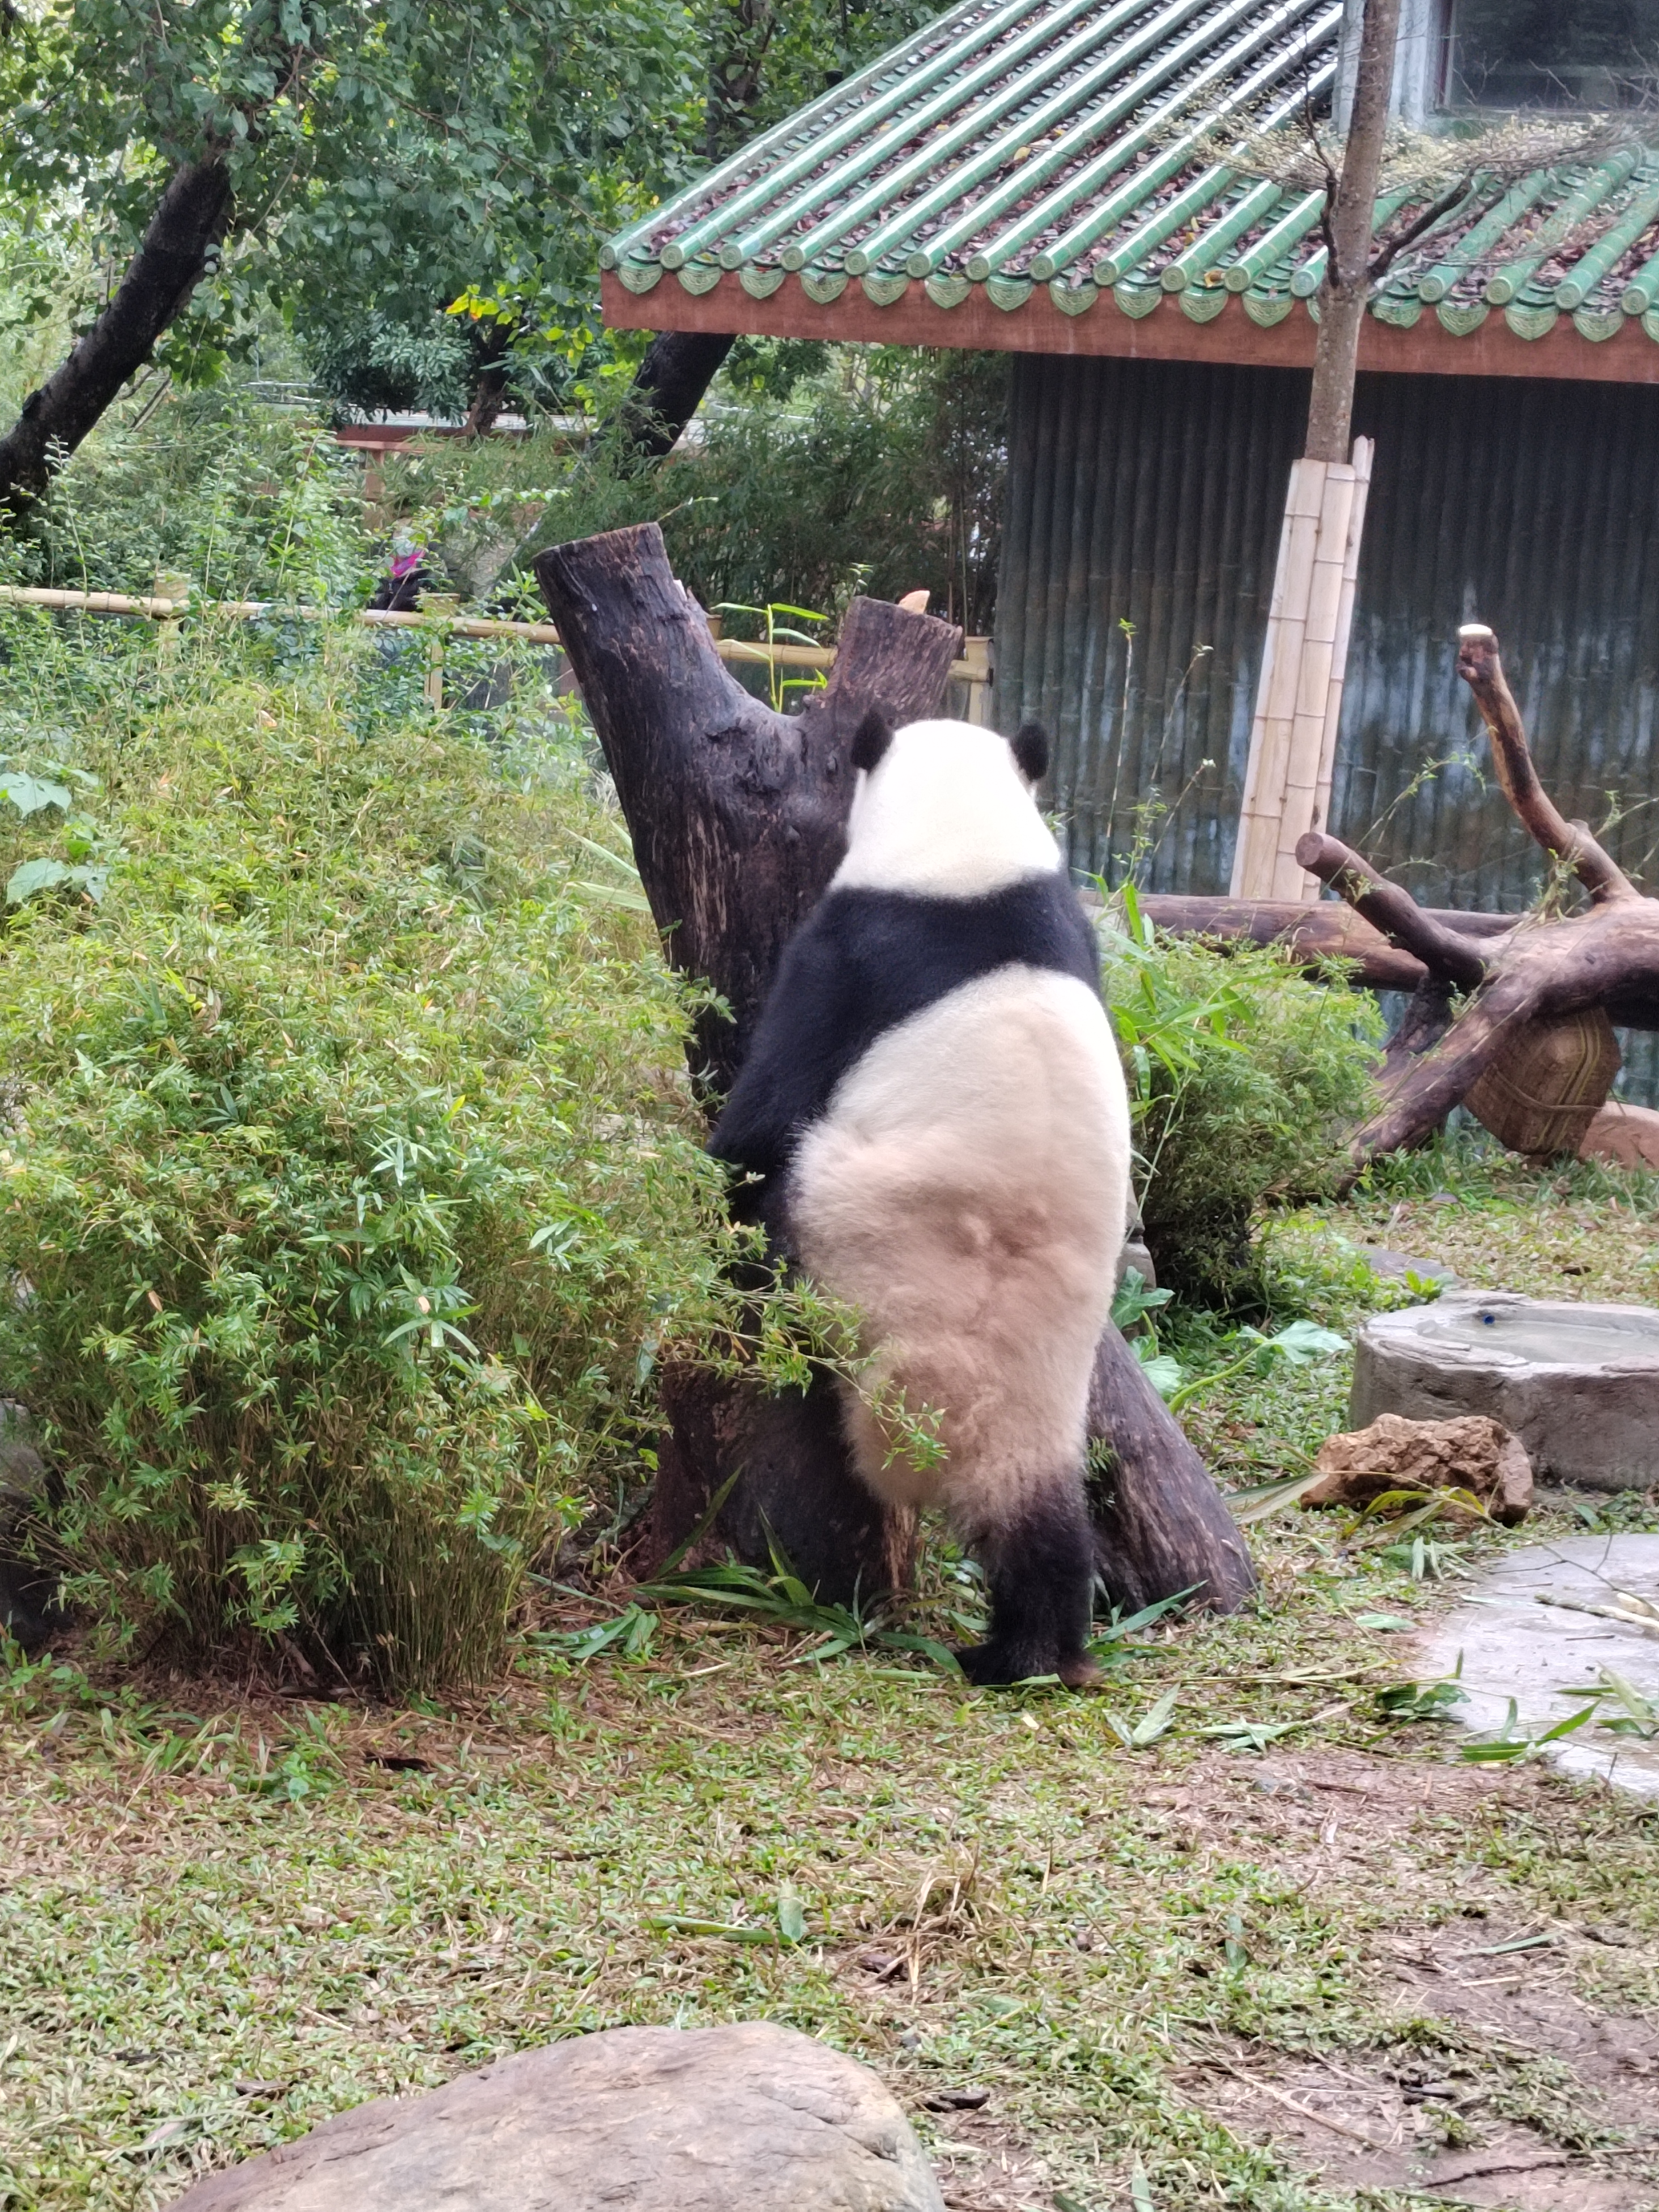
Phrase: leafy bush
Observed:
(248, 503)
(883, 475)
(349, 1176)
(1246, 1078)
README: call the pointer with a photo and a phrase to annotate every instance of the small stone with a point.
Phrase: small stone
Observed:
(1473, 1453)
(654, 2119)
(1624, 1136)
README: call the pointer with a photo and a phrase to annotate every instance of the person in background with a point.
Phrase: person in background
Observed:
(400, 592)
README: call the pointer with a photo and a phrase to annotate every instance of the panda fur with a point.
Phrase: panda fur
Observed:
(932, 1124)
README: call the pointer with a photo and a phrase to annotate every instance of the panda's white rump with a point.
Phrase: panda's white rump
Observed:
(967, 1191)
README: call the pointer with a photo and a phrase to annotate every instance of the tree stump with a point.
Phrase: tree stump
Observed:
(738, 817)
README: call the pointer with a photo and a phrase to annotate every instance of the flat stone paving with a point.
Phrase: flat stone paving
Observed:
(1513, 1647)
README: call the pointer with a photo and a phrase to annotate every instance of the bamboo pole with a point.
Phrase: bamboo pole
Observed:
(974, 669)
(1299, 697)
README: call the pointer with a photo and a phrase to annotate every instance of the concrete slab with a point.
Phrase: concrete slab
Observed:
(1513, 1647)
(1578, 1383)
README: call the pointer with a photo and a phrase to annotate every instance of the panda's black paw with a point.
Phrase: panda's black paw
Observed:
(1001, 1666)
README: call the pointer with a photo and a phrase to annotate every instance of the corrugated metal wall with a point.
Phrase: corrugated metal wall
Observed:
(1140, 522)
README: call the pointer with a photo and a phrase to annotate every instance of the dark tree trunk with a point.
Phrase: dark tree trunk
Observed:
(736, 812)
(737, 816)
(186, 227)
(488, 382)
(1160, 1523)
(678, 367)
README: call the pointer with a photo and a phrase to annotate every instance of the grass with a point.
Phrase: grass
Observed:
(225, 1918)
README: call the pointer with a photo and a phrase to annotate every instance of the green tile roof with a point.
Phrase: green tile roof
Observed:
(1074, 143)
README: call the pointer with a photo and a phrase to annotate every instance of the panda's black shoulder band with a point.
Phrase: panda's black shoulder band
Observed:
(872, 738)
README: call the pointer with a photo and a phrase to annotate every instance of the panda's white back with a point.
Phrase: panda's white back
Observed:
(931, 1119)
(967, 1186)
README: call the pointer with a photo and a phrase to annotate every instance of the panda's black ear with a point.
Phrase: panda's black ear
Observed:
(871, 739)
(1030, 748)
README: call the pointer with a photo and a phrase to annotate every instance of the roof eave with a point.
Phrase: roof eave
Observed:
(1623, 351)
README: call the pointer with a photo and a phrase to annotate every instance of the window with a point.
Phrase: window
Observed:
(1551, 54)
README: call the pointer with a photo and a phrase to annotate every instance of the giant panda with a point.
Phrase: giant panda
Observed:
(932, 1124)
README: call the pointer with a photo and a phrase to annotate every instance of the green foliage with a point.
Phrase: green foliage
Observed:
(1245, 1078)
(397, 160)
(884, 474)
(373, 363)
(351, 1180)
(241, 500)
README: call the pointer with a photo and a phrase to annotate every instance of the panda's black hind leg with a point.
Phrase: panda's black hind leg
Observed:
(1040, 1567)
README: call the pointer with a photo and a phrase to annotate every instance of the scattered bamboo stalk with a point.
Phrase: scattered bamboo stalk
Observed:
(1643, 1623)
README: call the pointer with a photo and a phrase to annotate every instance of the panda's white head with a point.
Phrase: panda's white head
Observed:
(945, 810)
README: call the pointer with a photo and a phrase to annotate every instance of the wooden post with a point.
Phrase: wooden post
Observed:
(1300, 700)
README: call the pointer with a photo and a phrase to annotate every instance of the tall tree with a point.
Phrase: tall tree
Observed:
(1350, 207)
(226, 149)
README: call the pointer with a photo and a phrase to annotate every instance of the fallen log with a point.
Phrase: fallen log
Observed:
(1333, 931)
(737, 815)
(1329, 931)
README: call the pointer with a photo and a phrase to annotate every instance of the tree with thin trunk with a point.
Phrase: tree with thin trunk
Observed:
(1350, 210)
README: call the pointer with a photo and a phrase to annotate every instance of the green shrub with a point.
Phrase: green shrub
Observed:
(883, 477)
(247, 502)
(350, 1175)
(1246, 1079)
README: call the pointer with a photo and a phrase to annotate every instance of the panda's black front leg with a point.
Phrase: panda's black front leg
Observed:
(1040, 1566)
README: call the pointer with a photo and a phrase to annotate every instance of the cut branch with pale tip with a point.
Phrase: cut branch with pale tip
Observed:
(1572, 843)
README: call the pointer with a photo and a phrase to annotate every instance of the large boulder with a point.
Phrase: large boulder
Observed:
(749, 2118)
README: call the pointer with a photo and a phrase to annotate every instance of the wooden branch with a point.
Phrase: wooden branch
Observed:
(1570, 842)
(1443, 952)
(1327, 931)
(1439, 1079)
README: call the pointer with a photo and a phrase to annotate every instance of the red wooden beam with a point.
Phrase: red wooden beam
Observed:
(1629, 357)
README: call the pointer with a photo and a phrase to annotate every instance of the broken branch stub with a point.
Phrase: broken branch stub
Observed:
(1570, 842)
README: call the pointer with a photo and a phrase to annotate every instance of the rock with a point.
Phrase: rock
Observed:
(1622, 1136)
(1472, 1453)
(1502, 1644)
(1577, 1383)
(1135, 1254)
(752, 2117)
